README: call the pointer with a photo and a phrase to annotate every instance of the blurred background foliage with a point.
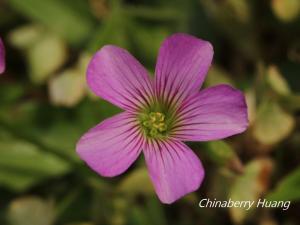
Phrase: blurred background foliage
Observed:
(45, 107)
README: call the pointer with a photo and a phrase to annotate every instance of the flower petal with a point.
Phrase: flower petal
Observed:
(214, 113)
(112, 146)
(182, 64)
(174, 169)
(116, 76)
(2, 57)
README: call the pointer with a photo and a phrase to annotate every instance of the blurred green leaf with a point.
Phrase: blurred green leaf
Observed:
(147, 40)
(55, 137)
(23, 164)
(11, 92)
(71, 24)
(240, 8)
(286, 10)
(223, 154)
(250, 186)
(31, 211)
(19, 114)
(272, 123)
(138, 216)
(119, 215)
(217, 75)
(84, 223)
(156, 212)
(67, 88)
(151, 214)
(220, 182)
(140, 176)
(233, 19)
(251, 104)
(93, 112)
(291, 102)
(45, 57)
(288, 188)
(84, 60)
(113, 30)
(45, 52)
(277, 81)
(220, 151)
(25, 36)
(156, 13)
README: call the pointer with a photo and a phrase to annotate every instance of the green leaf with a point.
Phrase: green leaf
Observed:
(45, 51)
(140, 176)
(31, 211)
(84, 60)
(151, 214)
(291, 102)
(250, 186)
(25, 36)
(220, 182)
(272, 123)
(220, 151)
(67, 88)
(288, 188)
(250, 96)
(83, 223)
(217, 75)
(23, 164)
(277, 81)
(113, 30)
(286, 10)
(138, 216)
(45, 57)
(232, 18)
(147, 41)
(69, 23)
(55, 137)
(11, 92)
(241, 9)
(223, 154)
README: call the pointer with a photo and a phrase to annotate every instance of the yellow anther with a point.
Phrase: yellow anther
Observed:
(152, 114)
(162, 127)
(160, 117)
(154, 123)
(153, 119)
(153, 132)
(158, 114)
(147, 124)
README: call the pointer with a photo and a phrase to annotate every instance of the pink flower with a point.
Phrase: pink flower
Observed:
(2, 57)
(160, 114)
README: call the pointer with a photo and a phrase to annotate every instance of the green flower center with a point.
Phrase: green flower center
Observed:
(158, 119)
(154, 124)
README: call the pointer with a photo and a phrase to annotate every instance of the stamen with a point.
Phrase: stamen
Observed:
(154, 124)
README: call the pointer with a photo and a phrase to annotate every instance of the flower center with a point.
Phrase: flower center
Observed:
(154, 124)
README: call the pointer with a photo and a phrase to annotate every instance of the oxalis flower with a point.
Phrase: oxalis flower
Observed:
(160, 114)
(2, 57)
